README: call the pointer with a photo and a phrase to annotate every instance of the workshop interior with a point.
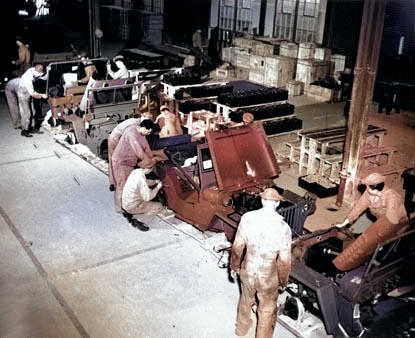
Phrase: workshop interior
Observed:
(308, 97)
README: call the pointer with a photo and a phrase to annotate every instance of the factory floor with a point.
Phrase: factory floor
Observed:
(72, 267)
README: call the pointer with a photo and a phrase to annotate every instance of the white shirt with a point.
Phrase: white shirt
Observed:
(136, 190)
(121, 73)
(26, 81)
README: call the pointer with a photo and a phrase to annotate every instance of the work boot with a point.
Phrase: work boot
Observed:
(139, 225)
(26, 133)
(128, 216)
(111, 187)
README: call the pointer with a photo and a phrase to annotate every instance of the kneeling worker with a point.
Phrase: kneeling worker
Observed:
(138, 194)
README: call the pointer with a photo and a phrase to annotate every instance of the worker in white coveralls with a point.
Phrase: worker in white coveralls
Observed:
(117, 69)
(138, 194)
(261, 256)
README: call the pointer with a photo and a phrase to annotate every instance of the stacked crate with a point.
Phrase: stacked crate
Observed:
(240, 59)
(263, 49)
(279, 70)
(244, 42)
(295, 88)
(294, 68)
(306, 50)
(289, 49)
(226, 54)
(312, 70)
(257, 69)
(339, 64)
(322, 54)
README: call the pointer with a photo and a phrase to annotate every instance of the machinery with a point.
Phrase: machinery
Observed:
(108, 101)
(215, 187)
(373, 300)
(224, 178)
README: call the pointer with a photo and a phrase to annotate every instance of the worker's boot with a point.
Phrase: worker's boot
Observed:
(26, 133)
(139, 225)
(36, 128)
(128, 216)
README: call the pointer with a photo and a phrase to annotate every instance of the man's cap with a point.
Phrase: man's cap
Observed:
(118, 57)
(164, 107)
(373, 179)
(271, 194)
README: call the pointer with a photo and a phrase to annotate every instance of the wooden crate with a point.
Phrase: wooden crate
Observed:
(257, 63)
(306, 50)
(241, 58)
(309, 71)
(320, 93)
(279, 70)
(339, 63)
(289, 49)
(257, 76)
(222, 73)
(295, 88)
(243, 42)
(322, 54)
(263, 49)
(242, 73)
(227, 54)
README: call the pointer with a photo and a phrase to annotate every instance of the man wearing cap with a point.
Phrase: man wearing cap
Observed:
(131, 151)
(387, 206)
(120, 71)
(261, 255)
(138, 194)
(169, 123)
(26, 93)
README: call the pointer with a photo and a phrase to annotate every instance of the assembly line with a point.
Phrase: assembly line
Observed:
(214, 181)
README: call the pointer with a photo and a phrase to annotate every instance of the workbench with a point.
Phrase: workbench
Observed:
(320, 151)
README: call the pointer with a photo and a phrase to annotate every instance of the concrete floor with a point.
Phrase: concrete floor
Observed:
(72, 267)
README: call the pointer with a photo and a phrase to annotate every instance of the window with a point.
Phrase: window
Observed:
(246, 3)
(310, 8)
(296, 20)
(288, 6)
